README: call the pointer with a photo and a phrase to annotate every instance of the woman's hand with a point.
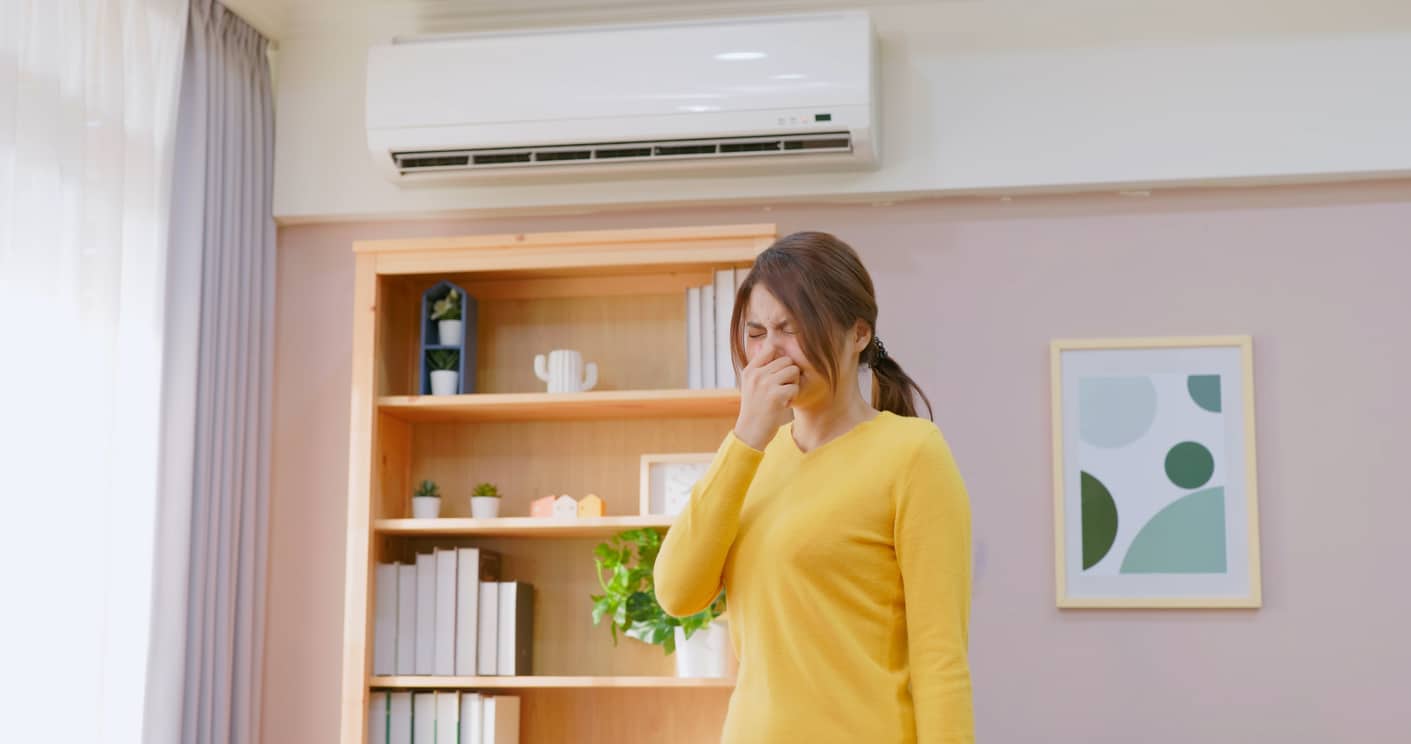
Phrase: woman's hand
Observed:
(768, 385)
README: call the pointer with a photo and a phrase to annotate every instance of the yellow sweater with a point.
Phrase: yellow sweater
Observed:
(847, 575)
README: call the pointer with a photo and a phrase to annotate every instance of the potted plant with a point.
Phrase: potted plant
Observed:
(445, 373)
(447, 314)
(485, 501)
(426, 501)
(629, 602)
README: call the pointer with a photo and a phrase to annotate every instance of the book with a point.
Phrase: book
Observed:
(501, 719)
(444, 661)
(488, 649)
(448, 717)
(708, 336)
(423, 718)
(384, 622)
(724, 306)
(516, 631)
(377, 713)
(406, 618)
(399, 718)
(472, 723)
(475, 565)
(693, 338)
(425, 613)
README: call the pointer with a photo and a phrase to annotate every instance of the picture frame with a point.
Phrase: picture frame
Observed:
(1154, 472)
(658, 478)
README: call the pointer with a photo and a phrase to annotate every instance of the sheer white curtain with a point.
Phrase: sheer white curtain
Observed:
(88, 92)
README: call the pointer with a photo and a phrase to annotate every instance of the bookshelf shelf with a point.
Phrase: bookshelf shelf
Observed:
(528, 527)
(602, 404)
(506, 683)
(623, 299)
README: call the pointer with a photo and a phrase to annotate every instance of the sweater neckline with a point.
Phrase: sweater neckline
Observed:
(856, 428)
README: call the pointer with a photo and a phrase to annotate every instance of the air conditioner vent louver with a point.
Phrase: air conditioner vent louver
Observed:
(560, 155)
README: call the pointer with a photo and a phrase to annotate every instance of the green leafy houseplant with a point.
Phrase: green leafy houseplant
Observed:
(629, 598)
(444, 359)
(448, 307)
(487, 490)
(428, 489)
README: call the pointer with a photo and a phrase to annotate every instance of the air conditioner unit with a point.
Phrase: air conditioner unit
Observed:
(782, 92)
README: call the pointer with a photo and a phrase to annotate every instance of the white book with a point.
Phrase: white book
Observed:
(693, 338)
(384, 620)
(501, 718)
(423, 718)
(406, 618)
(448, 717)
(708, 336)
(724, 306)
(488, 652)
(472, 718)
(445, 650)
(425, 613)
(377, 718)
(740, 275)
(399, 718)
(516, 629)
(467, 610)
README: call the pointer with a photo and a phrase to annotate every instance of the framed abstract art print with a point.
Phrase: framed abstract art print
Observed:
(1155, 497)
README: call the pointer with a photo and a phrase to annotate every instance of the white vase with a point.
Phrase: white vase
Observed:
(706, 654)
(565, 372)
(426, 507)
(484, 507)
(450, 332)
(444, 381)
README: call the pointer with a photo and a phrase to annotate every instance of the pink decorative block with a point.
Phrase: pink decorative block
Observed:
(542, 507)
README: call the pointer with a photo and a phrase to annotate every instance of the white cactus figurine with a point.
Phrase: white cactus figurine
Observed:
(564, 371)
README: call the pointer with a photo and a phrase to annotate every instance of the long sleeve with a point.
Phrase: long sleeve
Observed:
(692, 558)
(932, 533)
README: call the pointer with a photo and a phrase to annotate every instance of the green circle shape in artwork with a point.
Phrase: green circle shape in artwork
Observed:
(1099, 513)
(1205, 391)
(1115, 411)
(1189, 465)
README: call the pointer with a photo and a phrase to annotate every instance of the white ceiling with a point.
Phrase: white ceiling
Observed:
(284, 18)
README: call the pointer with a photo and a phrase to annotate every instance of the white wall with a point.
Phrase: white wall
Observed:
(989, 96)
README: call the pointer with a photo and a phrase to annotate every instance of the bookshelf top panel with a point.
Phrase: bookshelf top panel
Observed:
(571, 253)
(596, 404)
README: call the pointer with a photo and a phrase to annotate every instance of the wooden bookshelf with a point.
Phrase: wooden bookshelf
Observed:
(544, 683)
(619, 298)
(594, 404)
(525, 527)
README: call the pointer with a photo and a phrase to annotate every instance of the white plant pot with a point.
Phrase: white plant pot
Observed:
(444, 381)
(484, 507)
(450, 332)
(426, 507)
(706, 654)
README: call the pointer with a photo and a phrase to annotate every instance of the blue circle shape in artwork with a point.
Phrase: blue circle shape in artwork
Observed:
(1115, 411)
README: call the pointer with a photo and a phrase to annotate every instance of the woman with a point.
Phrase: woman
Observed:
(842, 536)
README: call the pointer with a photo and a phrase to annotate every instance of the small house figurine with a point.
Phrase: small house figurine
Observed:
(565, 507)
(543, 508)
(590, 506)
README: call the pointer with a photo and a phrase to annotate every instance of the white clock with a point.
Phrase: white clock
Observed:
(667, 480)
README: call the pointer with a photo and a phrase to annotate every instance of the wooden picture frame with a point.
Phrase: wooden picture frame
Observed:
(651, 497)
(1155, 479)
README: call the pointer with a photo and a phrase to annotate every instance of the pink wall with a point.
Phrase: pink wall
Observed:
(971, 293)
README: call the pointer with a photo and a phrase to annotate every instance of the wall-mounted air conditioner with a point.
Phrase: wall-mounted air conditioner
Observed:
(780, 93)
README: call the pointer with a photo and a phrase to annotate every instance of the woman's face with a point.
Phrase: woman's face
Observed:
(770, 330)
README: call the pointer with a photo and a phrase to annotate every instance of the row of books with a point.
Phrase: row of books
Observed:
(450, 615)
(708, 309)
(442, 717)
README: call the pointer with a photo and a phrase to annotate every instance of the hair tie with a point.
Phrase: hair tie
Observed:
(881, 350)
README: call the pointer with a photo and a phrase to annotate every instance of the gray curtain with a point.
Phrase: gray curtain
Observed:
(223, 289)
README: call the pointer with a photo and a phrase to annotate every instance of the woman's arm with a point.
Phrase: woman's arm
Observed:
(692, 558)
(932, 534)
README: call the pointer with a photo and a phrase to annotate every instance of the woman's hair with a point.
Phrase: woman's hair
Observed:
(823, 283)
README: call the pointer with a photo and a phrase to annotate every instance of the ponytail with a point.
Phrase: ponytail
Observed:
(892, 388)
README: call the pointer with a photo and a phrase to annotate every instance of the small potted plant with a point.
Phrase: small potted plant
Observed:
(426, 501)
(485, 501)
(629, 601)
(445, 372)
(447, 314)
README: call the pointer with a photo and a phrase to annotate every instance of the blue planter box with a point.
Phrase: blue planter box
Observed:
(431, 337)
